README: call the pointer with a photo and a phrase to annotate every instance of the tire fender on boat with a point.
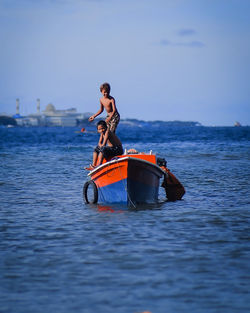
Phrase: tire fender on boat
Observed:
(86, 190)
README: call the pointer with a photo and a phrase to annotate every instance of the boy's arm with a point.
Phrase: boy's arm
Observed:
(113, 110)
(97, 113)
(105, 138)
(100, 140)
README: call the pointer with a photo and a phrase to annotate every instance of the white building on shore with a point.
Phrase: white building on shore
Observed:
(50, 116)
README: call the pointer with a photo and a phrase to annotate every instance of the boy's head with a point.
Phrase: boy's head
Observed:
(101, 126)
(105, 87)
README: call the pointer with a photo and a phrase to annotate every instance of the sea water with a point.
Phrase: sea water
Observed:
(58, 254)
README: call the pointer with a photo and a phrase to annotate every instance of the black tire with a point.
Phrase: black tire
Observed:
(90, 192)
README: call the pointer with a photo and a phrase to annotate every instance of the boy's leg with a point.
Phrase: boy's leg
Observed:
(95, 155)
(112, 124)
(100, 159)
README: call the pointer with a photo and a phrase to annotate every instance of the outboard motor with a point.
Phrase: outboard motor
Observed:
(161, 162)
(174, 189)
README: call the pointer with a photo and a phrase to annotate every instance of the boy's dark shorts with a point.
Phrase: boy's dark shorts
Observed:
(109, 152)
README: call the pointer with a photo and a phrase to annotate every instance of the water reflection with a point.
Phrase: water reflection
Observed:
(111, 209)
(121, 208)
(105, 208)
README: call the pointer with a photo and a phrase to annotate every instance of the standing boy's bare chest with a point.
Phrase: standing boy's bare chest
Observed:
(107, 104)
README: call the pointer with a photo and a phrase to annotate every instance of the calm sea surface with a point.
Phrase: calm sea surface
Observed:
(59, 255)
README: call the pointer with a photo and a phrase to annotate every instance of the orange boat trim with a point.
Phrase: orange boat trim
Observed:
(116, 170)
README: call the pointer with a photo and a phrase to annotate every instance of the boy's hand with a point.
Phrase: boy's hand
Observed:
(91, 118)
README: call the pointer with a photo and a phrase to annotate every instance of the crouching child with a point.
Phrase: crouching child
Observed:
(109, 145)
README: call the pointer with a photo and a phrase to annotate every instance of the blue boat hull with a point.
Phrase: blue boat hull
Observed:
(128, 191)
(141, 185)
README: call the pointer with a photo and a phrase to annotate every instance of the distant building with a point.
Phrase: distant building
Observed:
(53, 117)
(50, 116)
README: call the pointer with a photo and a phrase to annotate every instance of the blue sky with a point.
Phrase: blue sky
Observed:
(165, 59)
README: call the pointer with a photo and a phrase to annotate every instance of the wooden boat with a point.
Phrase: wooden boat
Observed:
(130, 178)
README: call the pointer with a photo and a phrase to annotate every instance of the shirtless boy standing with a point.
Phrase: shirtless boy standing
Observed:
(107, 102)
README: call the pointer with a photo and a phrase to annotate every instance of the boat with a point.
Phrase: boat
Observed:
(129, 178)
(132, 178)
(237, 124)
